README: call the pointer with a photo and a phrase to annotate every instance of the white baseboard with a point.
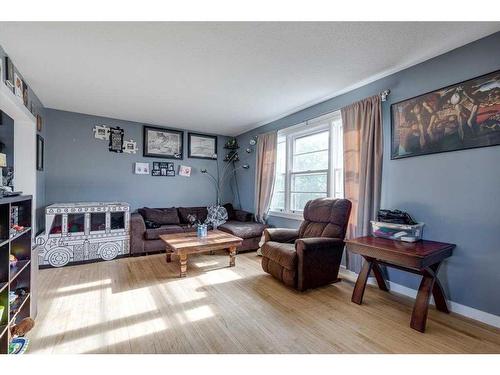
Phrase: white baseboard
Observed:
(457, 308)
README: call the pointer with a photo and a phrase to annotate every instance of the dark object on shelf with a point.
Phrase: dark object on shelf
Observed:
(163, 168)
(116, 139)
(162, 143)
(231, 144)
(422, 258)
(9, 73)
(21, 292)
(395, 217)
(40, 145)
(457, 117)
(6, 193)
(23, 327)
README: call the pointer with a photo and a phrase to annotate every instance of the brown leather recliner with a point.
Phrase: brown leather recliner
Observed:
(310, 256)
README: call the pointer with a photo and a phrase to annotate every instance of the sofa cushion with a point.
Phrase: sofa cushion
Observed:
(243, 229)
(230, 211)
(162, 216)
(283, 254)
(199, 212)
(154, 234)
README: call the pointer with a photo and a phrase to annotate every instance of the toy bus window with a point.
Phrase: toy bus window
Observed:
(117, 220)
(97, 221)
(56, 225)
(76, 223)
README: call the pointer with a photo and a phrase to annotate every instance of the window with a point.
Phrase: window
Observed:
(309, 164)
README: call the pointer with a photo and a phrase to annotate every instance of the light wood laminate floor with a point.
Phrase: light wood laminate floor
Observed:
(139, 305)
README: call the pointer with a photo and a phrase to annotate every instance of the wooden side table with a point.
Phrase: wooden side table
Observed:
(421, 257)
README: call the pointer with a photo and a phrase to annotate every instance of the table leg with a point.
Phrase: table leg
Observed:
(421, 307)
(359, 288)
(183, 264)
(378, 276)
(169, 256)
(437, 291)
(232, 256)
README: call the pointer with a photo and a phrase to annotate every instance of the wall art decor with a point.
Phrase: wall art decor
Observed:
(25, 94)
(163, 143)
(141, 168)
(18, 87)
(202, 146)
(38, 123)
(116, 139)
(184, 171)
(130, 146)
(40, 145)
(9, 73)
(77, 232)
(163, 168)
(461, 116)
(101, 132)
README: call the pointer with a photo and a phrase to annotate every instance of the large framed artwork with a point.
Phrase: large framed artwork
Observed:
(163, 143)
(202, 146)
(462, 116)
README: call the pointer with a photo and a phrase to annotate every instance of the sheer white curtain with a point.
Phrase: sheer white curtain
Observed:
(264, 174)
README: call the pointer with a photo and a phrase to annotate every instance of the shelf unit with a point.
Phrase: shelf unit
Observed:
(17, 276)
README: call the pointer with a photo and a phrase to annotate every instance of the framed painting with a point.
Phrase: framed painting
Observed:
(40, 145)
(202, 146)
(461, 116)
(162, 143)
(116, 139)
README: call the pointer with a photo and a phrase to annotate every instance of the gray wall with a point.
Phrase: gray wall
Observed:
(456, 194)
(40, 175)
(81, 168)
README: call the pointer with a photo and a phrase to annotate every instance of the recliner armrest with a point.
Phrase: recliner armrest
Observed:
(318, 261)
(304, 245)
(283, 235)
(241, 215)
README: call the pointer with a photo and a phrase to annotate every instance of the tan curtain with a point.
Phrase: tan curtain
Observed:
(363, 145)
(264, 170)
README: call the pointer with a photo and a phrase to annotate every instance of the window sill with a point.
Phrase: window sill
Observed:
(286, 215)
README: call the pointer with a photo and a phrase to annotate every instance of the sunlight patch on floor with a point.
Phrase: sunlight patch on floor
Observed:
(76, 287)
(194, 315)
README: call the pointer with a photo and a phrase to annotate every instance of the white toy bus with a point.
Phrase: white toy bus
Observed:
(78, 232)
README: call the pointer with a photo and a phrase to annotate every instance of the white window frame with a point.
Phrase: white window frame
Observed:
(310, 127)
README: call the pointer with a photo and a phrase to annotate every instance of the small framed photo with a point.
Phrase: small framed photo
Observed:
(141, 168)
(130, 147)
(18, 87)
(40, 145)
(116, 139)
(184, 171)
(162, 168)
(202, 146)
(38, 123)
(162, 143)
(9, 73)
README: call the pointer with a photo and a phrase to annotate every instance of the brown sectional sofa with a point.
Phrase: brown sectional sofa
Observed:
(148, 224)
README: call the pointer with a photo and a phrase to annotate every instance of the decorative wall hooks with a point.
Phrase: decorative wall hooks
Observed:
(101, 132)
(130, 146)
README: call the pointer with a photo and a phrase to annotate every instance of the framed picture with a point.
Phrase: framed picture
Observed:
(25, 94)
(38, 123)
(40, 145)
(141, 168)
(116, 139)
(101, 132)
(163, 168)
(184, 171)
(162, 143)
(202, 146)
(130, 146)
(461, 116)
(18, 87)
(9, 73)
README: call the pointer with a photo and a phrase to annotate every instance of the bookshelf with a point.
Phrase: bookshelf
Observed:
(16, 277)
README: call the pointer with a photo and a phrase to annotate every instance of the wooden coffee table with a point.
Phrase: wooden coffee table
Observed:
(182, 244)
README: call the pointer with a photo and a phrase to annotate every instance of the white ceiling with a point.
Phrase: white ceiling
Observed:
(222, 77)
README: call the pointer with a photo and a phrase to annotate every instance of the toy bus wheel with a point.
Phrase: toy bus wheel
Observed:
(59, 257)
(109, 251)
